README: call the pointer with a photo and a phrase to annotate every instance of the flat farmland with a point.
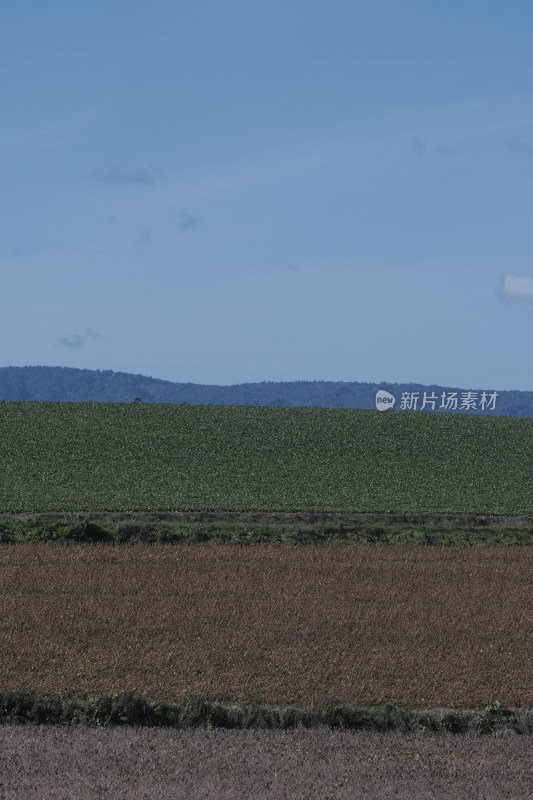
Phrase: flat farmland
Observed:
(420, 626)
(62, 763)
(150, 457)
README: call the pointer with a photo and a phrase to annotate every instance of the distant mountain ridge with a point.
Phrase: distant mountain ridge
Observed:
(80, 385)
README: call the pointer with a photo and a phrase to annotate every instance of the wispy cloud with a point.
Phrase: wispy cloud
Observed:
(77, 340)
(443, 150)
(187, 221)
(124, 175)
(422, 147)
(25, 252)
(94, 335)
(22, 251)
(418, 147)
(516, 287)
(144, 238)
(72, 340)
(519, 148)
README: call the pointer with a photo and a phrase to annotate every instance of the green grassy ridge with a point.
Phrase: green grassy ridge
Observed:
(132, 529)
(114, 456)
(131, 708)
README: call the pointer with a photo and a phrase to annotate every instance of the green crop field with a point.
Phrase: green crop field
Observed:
(111, 456)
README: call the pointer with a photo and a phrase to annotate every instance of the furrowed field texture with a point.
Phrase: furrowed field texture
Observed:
(60, 763)
(421, 626)
(112, 456)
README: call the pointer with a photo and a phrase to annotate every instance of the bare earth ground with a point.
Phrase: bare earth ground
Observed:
(135, 764)
(413, 625)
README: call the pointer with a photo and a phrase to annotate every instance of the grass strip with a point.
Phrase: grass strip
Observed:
(130, 708)
(256, 529)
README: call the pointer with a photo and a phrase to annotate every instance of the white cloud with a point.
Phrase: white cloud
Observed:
(517, 288)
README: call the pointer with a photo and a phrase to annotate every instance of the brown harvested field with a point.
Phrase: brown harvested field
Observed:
(407, 625)
(141, 764)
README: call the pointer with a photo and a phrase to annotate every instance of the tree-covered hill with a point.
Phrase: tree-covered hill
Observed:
(69, 384)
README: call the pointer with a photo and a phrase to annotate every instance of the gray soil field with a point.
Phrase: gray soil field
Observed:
(119, 763)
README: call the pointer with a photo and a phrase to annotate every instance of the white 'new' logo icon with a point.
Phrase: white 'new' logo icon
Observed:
(384, 400)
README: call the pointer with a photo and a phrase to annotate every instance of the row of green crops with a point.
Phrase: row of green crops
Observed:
(112, 456)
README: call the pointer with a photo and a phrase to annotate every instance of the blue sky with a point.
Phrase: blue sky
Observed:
(219, 191)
